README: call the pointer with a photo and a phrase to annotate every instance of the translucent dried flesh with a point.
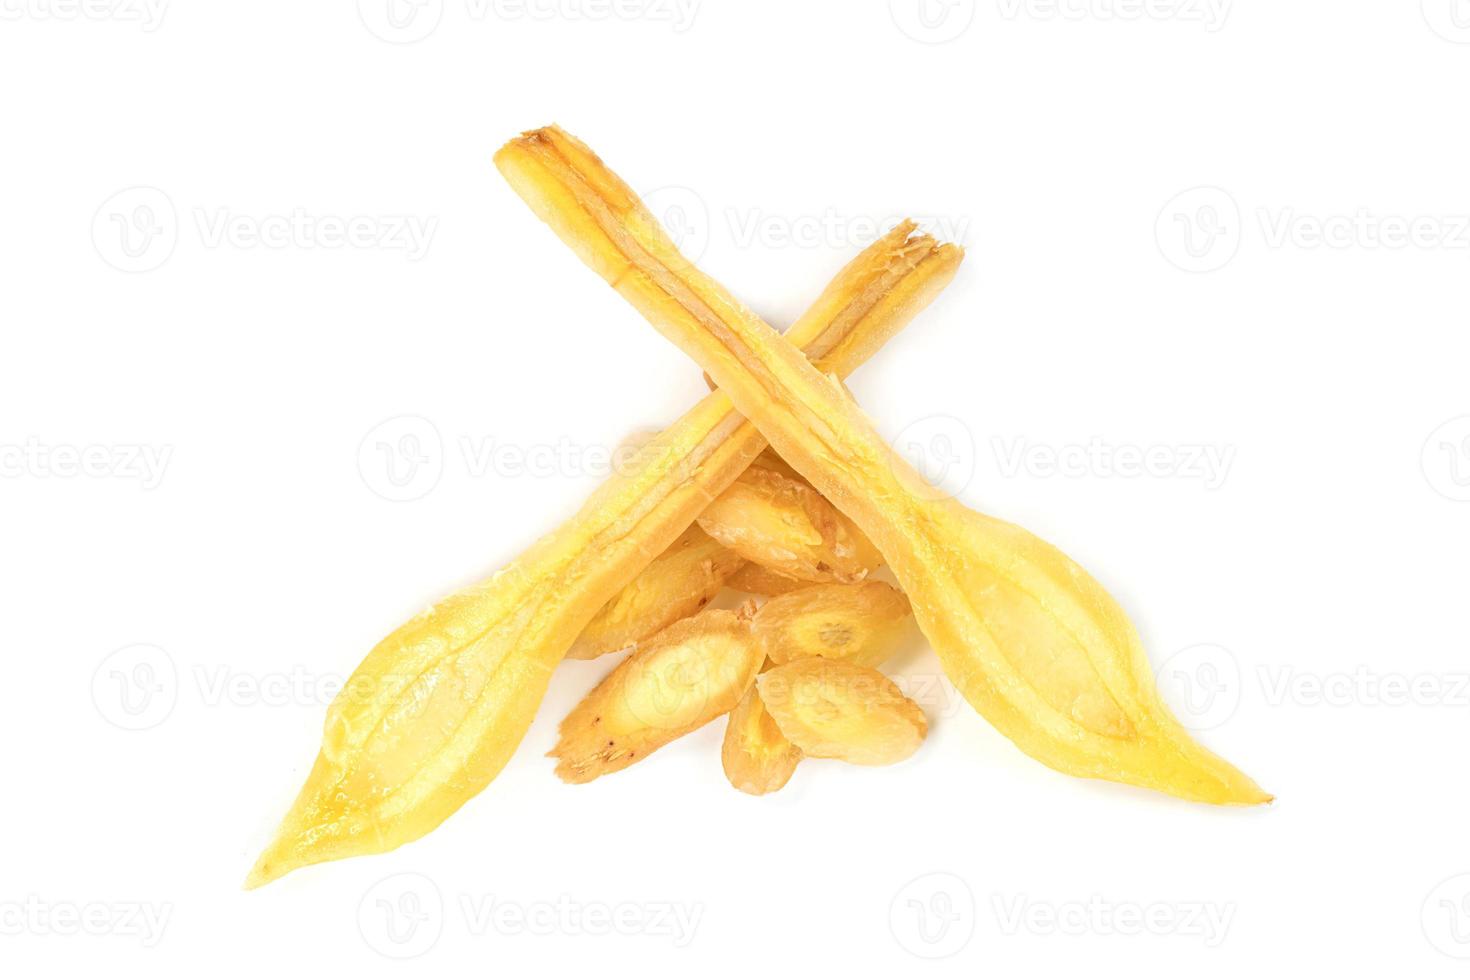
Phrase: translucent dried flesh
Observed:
(784, 525)
(687, 676)
(676, 584)
(759, 580)
(860, 623)
(1033, 642)
(757, 758)
(437, 708)
(771, 460)
(833, 709)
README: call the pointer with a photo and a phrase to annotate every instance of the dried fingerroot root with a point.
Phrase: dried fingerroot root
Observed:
(860, 623)
(771, 460)
(1032, 641)
(757, 758)
(784, 525)
(833, 709)
(681, 679)
(678, 583)
(760, 580)
(436, 710)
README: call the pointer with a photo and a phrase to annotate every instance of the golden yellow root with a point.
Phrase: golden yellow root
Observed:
(759, 580)
(438, 707)
(1033, 642)
(784, 525)
(833, 709)
(757, 758)
(678, 583)
(858, 623)
(682, 679)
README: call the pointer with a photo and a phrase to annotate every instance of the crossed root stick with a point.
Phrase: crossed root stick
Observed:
(1029, 638)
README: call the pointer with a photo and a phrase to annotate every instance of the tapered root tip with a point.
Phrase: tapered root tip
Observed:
(262, 874)
(258, 876)
(272, 864)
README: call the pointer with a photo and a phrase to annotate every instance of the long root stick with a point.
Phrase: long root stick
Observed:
(438, 707)
(1033, 642)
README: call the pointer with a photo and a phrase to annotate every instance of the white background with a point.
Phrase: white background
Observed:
(1305, 598)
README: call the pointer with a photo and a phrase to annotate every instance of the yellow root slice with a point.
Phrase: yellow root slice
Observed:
(682, 679)
(784, 525)
(758, 580)
(757, 758)
(1033, 642)
(861, 623)
(675, 585)
(833, 709)
(435, 711)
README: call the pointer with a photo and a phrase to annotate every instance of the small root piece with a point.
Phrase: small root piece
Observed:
(757, 758)
(785, 525)
(832, 709)
(686, 676)
(859, 623)
(678, 583)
